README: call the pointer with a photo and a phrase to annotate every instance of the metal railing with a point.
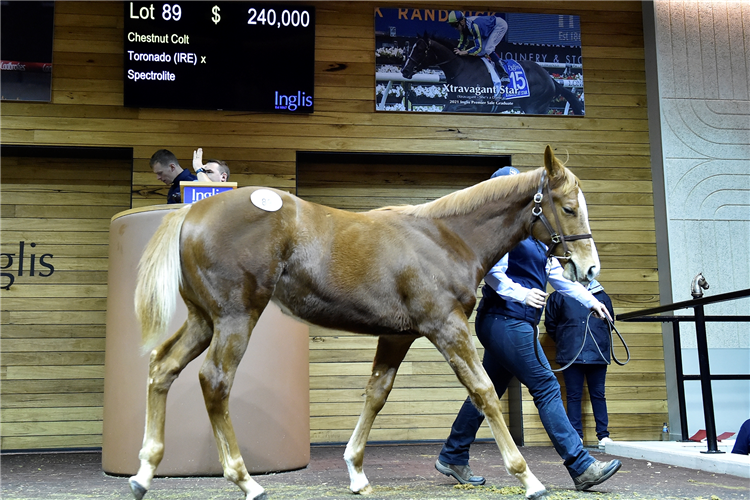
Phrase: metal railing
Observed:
(705, 376)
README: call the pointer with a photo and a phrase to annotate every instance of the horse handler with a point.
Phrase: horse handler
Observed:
(511, 307)
(566, 321)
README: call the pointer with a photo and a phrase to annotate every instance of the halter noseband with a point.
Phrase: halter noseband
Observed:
(557, 238)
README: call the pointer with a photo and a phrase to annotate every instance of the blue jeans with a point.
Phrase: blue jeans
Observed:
(595, 375)
(509, 352)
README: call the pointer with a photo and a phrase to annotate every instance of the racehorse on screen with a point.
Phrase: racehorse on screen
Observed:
(471, 71)
(397, 272)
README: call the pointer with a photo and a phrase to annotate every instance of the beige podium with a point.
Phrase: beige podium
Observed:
(269, 402)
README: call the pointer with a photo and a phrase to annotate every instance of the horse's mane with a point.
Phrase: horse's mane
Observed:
(445, 42)
(471, 198)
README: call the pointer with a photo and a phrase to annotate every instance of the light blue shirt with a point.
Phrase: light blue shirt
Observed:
(507, 288)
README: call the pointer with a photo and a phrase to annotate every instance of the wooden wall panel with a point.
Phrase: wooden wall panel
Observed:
(53, 315)
(608, 149)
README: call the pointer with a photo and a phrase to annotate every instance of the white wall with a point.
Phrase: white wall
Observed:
(703, 60)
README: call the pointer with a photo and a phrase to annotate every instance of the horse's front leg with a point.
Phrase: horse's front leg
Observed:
(388, 357)
(457, 347)
(165, 364)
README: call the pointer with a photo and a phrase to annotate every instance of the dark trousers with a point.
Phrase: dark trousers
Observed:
(509, 352)
(595, 376)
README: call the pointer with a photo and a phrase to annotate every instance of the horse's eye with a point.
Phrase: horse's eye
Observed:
(569, 211)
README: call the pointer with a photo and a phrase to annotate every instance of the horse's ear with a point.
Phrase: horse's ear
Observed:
(552, 164)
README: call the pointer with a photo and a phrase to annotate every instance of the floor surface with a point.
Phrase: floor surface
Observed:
(395, 472)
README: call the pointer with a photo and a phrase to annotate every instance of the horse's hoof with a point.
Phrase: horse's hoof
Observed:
(262, 496)
(137, 490)
(536, 495)
(366, 490)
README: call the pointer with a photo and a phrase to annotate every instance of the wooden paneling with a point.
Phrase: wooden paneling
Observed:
(608, 149)
(57, 210)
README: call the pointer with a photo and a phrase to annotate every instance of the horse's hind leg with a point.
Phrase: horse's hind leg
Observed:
(231, 336)
(388, 357)
(458, 349)
(165, 364)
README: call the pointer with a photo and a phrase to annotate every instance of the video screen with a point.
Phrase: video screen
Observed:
(236, 56)
(27, 32)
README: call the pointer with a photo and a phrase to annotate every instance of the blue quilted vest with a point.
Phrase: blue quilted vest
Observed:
(526, 266)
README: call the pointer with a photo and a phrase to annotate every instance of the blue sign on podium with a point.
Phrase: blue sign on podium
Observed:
(196, 190)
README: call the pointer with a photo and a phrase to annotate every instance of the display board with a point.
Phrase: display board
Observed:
(219, 55)
(26, 34)
(423, 63)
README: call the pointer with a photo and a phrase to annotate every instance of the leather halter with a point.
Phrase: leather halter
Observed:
(556, 237)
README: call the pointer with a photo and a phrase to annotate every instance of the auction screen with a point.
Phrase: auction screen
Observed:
(219, 55)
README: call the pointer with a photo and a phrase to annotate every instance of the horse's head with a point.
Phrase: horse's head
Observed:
(427, 51)
(567, 232)
(418, 58)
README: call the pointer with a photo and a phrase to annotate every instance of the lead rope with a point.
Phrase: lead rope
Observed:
(587, 332)
(612, 345)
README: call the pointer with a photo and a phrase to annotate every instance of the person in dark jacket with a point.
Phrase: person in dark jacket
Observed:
(168, 170)
(742, 443)
(566, 322)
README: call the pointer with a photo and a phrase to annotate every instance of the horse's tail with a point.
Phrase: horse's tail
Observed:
(159, 279)
(569, 96)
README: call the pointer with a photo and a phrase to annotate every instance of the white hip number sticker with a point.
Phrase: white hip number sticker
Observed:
(266, 200)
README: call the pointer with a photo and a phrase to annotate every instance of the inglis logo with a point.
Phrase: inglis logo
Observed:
(33, 263)
(201, 194)
(292, 102)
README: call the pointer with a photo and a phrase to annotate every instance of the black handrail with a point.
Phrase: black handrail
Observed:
(705, 376)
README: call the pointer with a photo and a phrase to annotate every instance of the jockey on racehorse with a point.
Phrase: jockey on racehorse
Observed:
(487, 32)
